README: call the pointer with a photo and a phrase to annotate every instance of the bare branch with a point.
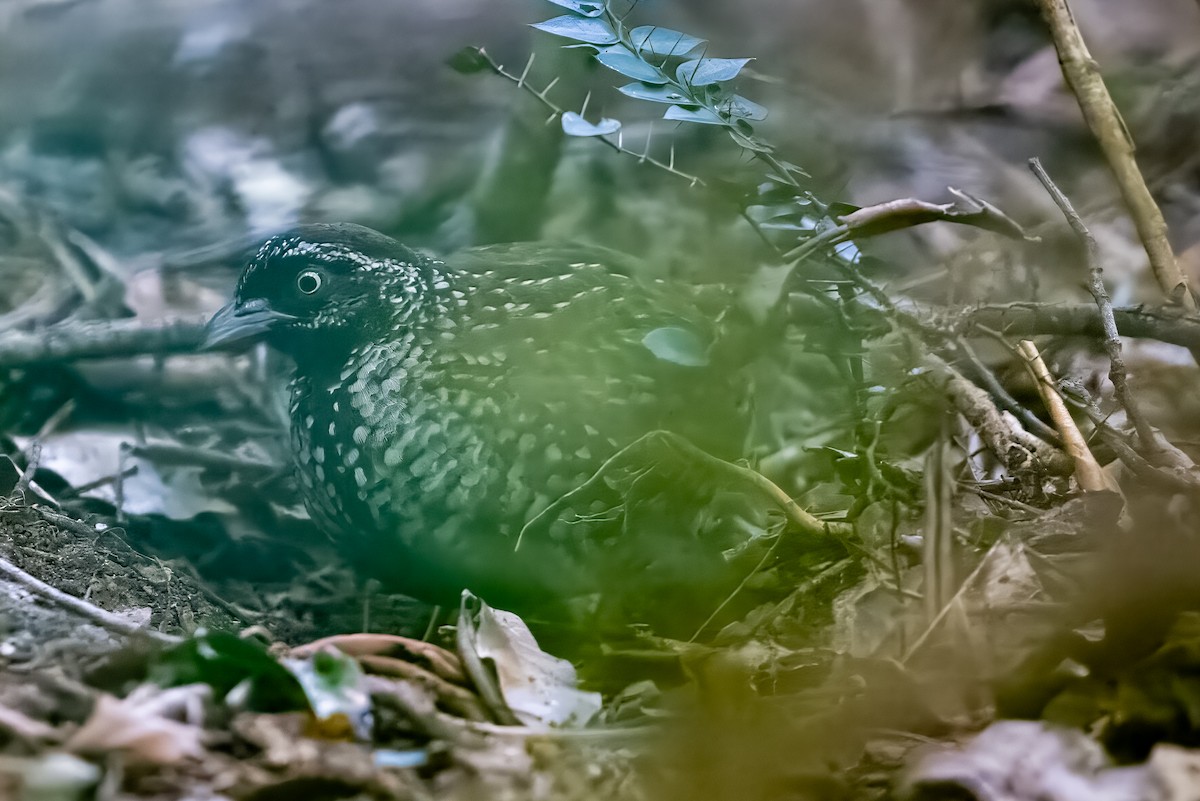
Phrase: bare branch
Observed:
(1104, 120)
(1088, 473)
(1112, 340)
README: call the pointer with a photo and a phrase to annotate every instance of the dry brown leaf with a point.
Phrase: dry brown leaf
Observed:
(149, 725)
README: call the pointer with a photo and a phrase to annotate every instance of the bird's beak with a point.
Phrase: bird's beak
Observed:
(241, 322)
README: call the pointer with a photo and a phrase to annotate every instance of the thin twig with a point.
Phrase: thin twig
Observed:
(992, 384)
(1000, 499)
(754, 571)
(796, 515)
(1104, 120)
(31, 465)
(1015, 447)
(105, 619)
(1080, 319)
(98, 340)
(938, 545)
(1112, 340)
(558, 111)
(34, 451)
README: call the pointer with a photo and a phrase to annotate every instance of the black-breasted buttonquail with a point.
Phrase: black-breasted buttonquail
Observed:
(439, 406)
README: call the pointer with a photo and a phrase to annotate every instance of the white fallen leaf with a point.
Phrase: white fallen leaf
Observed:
(539, 688)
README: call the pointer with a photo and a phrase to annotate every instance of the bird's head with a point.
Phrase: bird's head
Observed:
(322, 286)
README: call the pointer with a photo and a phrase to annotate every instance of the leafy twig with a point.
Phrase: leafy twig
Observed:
(558, 111)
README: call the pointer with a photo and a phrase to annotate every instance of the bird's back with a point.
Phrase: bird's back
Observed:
(526, 369)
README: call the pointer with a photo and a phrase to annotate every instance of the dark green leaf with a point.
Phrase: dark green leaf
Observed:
(581, 29)
(794, 168)
(575, 125)
(706, 71)
(588, 8)
(621, 61)
(663, 42)
(468, 60)
(10, 474)
(677, 345)
(223, 661)
(655, 94)
(700, 115)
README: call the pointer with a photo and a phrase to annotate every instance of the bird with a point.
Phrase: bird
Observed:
(440, 407)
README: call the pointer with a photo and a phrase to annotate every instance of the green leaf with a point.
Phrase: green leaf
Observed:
(677, 345)
(575, 125)
(707, 71)
(620, 60)
(848, 251)
(469, 60)
(655, 94)
(591, 31)
(750, 143)
(663, 42)
(224, 661)
(698, 115)
(587, 8)
(740, 107)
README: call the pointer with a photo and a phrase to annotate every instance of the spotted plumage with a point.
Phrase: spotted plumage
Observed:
(439, 406)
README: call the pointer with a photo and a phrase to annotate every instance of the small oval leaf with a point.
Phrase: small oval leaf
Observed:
(663, 42)
(750, 143)
(575, 125)
(707, 71)
(468, 60)
(581, 29)
(740, 107)
(588, 8)
(655, 94)
(631, 66)
(699, 115)
(677, 345)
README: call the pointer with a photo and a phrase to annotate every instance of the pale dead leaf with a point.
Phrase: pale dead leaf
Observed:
(539, 688)
(149, 725)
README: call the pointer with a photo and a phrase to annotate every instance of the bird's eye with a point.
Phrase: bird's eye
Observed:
(308, 282)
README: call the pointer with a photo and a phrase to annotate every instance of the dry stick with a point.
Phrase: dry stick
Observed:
(1112, 340)
(1005, 438)
(1080, 319)
(1151, 443)
(104, 619)
(1088, 473)
(1085, 81)
(35, 447)
(938, 556)
(98, 340)
(1004, 398)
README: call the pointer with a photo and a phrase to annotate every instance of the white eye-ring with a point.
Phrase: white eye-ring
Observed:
(309, 282)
